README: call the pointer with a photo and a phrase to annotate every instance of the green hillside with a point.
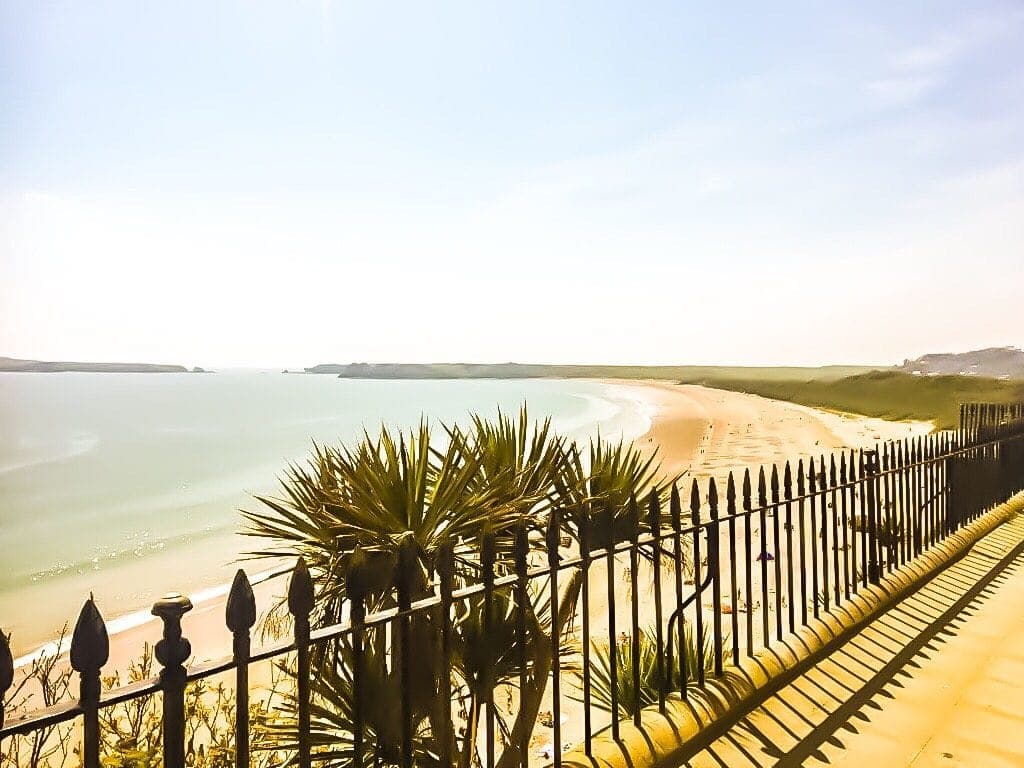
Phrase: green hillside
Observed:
(885, 394)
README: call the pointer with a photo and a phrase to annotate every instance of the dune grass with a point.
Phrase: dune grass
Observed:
(885, 394)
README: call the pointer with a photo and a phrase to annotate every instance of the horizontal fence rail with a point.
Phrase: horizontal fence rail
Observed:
(554, 632)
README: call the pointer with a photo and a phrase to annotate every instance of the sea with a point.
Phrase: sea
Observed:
(127, 486)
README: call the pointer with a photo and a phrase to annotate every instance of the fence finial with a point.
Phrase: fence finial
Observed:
(90, 646)
(240, 611)
(653, 512)
(300, 590)
(675, 508)
(695, 502)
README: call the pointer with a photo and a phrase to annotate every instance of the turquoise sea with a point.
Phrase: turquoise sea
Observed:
(129, 485)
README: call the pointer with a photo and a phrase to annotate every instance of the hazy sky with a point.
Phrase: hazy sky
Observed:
(286, 183)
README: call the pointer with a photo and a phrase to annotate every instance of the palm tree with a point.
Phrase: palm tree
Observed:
(415, 493)
(656, 680)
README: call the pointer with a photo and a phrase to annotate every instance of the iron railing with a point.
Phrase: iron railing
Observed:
(743, 568)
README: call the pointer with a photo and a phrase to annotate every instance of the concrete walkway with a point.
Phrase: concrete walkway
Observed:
(936, 681)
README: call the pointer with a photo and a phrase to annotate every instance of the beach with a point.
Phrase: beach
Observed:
(701, 432)
(694, 431)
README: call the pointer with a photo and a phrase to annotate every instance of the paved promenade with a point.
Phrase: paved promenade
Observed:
(936, 681)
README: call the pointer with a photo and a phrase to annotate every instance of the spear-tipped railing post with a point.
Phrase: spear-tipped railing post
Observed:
(6, 675)
(654, 523)
(520, 554)
(300, 605)
(488, 557)
(172, 651)
(633, 520)
(730, 511)
(714, 563)
(871, 472)
(356, 590)
(405, 578)
(698, 582)
(552, 539)
(90, 649)
(240, 616)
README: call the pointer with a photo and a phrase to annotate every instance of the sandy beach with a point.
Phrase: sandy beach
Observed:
(695, 430)
(704, 433)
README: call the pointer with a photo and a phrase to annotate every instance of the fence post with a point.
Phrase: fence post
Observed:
(6, 676)
(870, 476)
(405, 577)
(552, 540)
(90, 649)
(356, 589)
(240, 616)
(171, 652)
(654, 523)
(714, 563)
(300, 605)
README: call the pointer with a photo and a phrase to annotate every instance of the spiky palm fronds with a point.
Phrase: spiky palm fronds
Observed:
(653, 681)
(373, 496)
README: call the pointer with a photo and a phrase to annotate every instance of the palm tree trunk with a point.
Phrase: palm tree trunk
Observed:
(526, 718)
(472, 721)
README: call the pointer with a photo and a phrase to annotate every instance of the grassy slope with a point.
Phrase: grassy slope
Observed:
(886, 394)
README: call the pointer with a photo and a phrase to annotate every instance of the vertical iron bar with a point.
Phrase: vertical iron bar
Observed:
(777, 544)
(521, 555)
(240, 616)
(864, 519)
(654, 523)
(488, 554)
(871, 502)
(172, 651)
(823, 533)
(613, 640)
(356, 575)
(634, 599)
(844, 522)
(730, 510)
(698, 581)
(6, 677)
(584, 533)
(762, 505)
(748, 545)
(300, 605)
(812, 488)
(802, 531)
(676, 515)
(787, 492)
(834, 517)
(714, 545)
(553, 537)
(90, 649)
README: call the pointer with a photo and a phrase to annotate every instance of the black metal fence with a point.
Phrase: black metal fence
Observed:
(592, 617)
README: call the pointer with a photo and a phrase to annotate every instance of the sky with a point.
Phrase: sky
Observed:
(291, 183)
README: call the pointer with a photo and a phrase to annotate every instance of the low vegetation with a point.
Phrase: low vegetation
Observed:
(884, 394)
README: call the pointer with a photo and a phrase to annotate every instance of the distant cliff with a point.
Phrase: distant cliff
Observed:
(43, 366)
(995, 362)
(537, 371)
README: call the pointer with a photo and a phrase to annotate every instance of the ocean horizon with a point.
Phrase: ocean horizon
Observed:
(129, 486)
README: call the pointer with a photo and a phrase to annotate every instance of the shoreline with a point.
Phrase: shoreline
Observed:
(696, 431)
